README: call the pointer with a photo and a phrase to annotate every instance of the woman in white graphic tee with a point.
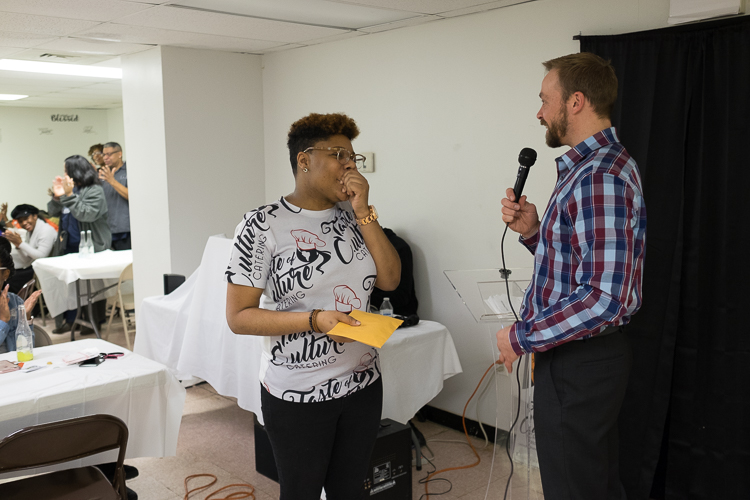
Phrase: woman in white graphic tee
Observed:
(298, 267)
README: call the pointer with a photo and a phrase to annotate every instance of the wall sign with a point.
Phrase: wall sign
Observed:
(64, 118)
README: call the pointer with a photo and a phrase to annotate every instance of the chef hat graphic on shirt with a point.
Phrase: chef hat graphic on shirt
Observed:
(306, 240)
(346, 299)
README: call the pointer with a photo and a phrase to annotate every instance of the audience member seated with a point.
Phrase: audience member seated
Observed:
(35, 244)
(10, 301)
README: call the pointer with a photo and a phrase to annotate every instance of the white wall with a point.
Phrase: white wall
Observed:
(446, 107)
(213, 105)
(116, 129)
(33, 149)
(194, 126)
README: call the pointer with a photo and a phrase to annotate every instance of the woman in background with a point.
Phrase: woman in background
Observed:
(82, 194)
(298, 266)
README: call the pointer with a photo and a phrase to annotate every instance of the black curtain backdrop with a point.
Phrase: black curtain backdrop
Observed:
(683, 112)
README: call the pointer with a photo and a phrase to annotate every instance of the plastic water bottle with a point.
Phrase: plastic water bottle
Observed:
(89, 243)
(24, 337)
(83, 248)
(386, 309)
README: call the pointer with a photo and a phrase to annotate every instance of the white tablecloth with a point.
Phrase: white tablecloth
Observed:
(57, 276)
(140, 391)
(187, 331)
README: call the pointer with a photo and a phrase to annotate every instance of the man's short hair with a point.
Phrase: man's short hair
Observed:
(112, 145)
(589, 74)
(24, 211)
(313, 128)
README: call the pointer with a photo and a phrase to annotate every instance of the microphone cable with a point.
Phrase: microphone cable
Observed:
(518, 368)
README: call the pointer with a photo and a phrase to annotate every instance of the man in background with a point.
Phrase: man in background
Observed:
(36, 243)
(114, 175)
(588, 251)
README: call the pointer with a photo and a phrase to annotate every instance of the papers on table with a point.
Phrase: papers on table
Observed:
(374, 329)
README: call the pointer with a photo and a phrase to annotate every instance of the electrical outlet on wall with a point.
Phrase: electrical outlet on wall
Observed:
(369, 163)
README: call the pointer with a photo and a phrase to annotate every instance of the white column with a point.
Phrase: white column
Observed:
(194, 131)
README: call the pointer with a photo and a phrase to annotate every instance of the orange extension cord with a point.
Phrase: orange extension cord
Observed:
(468, 440)
(232, 496)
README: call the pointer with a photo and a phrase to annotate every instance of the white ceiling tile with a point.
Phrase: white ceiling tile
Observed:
(317, 12)
(333, 38)
(210, 23)
(9, 51)
(412, 21)
(144, 35)
(25, 40)
(286, 46)
(421, 6)
(89, 10)
(95, 90)
(42, 25)
(483, 7)
(91, 47)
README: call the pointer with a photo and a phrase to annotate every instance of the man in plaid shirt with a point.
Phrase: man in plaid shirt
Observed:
(588, 265)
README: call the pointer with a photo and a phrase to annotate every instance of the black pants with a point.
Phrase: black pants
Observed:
(323, 444)
(123, 243)
(579, 388)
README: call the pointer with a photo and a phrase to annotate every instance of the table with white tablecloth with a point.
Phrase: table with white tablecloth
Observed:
(60, 278)
(138, 390)
(188, 332)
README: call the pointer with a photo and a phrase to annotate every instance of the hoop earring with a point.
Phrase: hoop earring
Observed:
(304, 169)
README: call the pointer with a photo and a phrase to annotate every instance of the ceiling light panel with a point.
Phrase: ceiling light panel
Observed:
(209, 23)
(421, 6)
(42, 25)
(143, 35)
(89, 10)
(12, 97)
(75, 70)
(317, 12)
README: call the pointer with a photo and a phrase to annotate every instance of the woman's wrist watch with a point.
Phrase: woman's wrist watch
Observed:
(373, 216)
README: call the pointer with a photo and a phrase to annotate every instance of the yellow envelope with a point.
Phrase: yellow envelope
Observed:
(374, 329)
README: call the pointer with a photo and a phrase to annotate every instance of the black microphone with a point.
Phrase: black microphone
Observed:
(526, 158)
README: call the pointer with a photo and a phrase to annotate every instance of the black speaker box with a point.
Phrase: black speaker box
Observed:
(172, 281)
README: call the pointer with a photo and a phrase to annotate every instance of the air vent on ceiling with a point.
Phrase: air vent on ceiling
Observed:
(53, 57)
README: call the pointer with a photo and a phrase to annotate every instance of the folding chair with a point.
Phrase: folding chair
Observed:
(124, 302)
(41, 337)
(60, 442)
(26, 289)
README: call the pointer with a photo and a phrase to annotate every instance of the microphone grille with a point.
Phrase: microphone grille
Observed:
(527, 157)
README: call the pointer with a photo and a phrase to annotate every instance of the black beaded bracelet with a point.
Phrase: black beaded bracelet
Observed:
(310, 319)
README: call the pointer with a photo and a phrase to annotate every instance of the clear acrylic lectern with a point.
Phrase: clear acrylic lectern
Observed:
(485, 294)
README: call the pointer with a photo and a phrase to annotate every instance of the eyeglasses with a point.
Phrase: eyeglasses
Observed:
(110, 154)
(97, 153)
(343, 155)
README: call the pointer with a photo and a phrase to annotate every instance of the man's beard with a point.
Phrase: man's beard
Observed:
(557, 129)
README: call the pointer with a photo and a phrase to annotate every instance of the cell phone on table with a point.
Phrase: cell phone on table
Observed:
(95, 361)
